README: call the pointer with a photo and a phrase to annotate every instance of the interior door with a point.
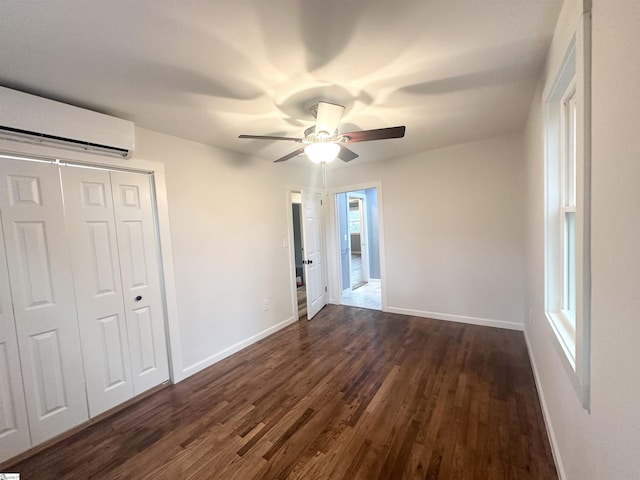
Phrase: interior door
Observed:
(96, 274)
(14, 428)
(43, 299)
(313, 252)
(358, 259)
(136, 236)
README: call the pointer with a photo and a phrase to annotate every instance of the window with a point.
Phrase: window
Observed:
(354, 217)
(567, 106)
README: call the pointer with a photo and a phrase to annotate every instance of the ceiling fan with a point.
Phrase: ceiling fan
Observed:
(323, 142)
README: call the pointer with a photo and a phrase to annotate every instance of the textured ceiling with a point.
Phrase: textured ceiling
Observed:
(452, 71)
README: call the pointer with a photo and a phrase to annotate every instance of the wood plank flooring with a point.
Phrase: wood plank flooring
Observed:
(352, 394)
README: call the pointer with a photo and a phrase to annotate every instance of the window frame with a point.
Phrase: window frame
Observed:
(567, 129)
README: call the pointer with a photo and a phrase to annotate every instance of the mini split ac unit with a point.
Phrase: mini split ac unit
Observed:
(32, 119)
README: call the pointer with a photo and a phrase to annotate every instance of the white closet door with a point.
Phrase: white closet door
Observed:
(14, 428)
(43, 299)
(140, 279)
(96, 276)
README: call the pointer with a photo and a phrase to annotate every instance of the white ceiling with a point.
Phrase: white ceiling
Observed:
(452, 71)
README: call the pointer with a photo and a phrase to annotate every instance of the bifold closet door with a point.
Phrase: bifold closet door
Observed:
(96, 275)
(139, 266)
(14, 428)
(42, 290)
(111, 229)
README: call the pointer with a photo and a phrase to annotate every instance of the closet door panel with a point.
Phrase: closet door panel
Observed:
(96, 274)
(14, 428)
(140, 279)
(43, 299)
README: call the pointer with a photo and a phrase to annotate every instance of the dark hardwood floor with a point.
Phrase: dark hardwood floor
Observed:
(353, 394)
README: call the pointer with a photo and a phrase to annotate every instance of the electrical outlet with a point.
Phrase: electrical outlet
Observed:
(266, 304)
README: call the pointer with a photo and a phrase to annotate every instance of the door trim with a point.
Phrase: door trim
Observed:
(333, 242)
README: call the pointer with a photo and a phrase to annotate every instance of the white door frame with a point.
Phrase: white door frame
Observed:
(159, 192)
(290, 190)
(334, 276)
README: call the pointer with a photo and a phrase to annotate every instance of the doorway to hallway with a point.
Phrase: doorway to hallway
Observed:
(308, 252)
(298, 252)
(359, 240)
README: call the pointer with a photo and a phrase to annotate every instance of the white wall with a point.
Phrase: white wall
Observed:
(454, 236)
(602, 444)
(228, 217)
(454, 230)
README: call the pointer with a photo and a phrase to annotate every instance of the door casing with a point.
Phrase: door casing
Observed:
(334, 280)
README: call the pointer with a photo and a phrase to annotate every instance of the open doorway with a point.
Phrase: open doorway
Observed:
(308, 267)
(359, 248)
(358, 261)
(298, 253)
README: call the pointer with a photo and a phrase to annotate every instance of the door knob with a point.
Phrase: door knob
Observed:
(138, 298)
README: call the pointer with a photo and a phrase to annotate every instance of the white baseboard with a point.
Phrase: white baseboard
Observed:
(207, 362)
(487, 322)
(545, 413)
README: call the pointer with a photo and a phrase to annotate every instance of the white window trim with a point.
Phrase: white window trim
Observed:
(566, 317)
(570, 335)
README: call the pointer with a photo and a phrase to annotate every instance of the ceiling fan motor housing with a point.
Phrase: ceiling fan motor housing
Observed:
(311, 136)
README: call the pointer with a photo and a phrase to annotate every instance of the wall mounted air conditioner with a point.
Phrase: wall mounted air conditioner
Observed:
(32, 119)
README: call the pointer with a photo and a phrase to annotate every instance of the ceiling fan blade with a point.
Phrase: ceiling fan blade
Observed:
(327, 117)
(346, 155)
(290, 156)
(377, 134)
(269, 137)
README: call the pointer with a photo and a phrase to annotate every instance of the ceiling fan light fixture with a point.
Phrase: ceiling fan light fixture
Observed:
(323, 142)
(322, 152)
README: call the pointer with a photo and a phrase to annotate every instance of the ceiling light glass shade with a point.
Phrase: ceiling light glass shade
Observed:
(323, 152)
